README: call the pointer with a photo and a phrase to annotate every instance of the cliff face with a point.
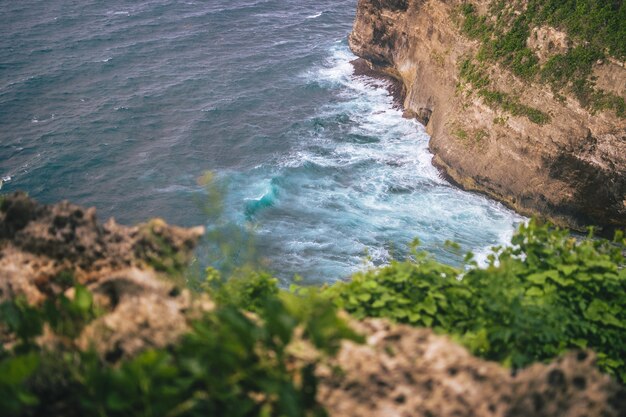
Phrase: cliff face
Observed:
(562, 161)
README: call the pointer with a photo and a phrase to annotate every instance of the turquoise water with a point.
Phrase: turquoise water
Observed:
(123, 105)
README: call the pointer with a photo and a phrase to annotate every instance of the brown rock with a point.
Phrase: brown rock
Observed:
(569, 387)
(571, 169)
(403, 371)
(37, 242)
(45, 249)
(143, 312)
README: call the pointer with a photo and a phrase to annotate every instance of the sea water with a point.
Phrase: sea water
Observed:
(122, 105)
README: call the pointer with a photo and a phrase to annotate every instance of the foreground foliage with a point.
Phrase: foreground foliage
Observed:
(547, 293)
(231, 363)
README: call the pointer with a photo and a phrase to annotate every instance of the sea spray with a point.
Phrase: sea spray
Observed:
(359, 186)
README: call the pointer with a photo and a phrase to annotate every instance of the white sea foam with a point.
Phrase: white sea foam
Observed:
(176, 188)
(315, 16)
(380, 184)
(35, 119)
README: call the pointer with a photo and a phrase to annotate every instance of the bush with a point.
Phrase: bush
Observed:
(475, 26)
(547, 293)
(231, 363)
(476, 75)
(494, 98)
(599, 23)
(596, 27)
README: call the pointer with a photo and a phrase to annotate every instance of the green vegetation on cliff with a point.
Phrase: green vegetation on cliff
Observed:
(256, 352)
(543, 295)
(475, 75)
(601, 24)
(596, 28)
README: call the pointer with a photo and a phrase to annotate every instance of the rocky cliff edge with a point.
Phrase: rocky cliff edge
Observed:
(538, 150)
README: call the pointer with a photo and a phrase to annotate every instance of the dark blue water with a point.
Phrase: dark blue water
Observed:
(124, 104)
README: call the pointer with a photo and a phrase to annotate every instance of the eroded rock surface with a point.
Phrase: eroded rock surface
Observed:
(44, 249)
(570, 169)
(407, 372)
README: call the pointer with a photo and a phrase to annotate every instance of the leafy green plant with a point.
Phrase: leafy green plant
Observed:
(19, 365)
(499, 99)
(473, 74)
(21, 320)
(418, 293)
(600, 24)
(66, 316)
(247, 289)
(545, 294)
(476, 75)
(598, 28)
(232, 362)
(475, 26)
(229, 364)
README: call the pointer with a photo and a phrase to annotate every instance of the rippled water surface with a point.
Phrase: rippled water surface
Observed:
(124, 104)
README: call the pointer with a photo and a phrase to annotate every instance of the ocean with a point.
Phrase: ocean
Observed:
(123, 105)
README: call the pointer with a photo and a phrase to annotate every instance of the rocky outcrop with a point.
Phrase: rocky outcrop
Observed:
(45, 250)
(570, 168)
(402, 371)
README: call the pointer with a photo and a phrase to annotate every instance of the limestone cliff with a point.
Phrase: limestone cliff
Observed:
(538, 150)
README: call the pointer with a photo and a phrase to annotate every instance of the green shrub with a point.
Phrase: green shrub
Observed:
(15, 370)
(418, 293)
(247, 289)
(599, 23)
(536, 299)
(476, 75)
(597, 27)
(231, 362)
(473, 74)
(603, 100)
(475, 26)
(494, 98)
